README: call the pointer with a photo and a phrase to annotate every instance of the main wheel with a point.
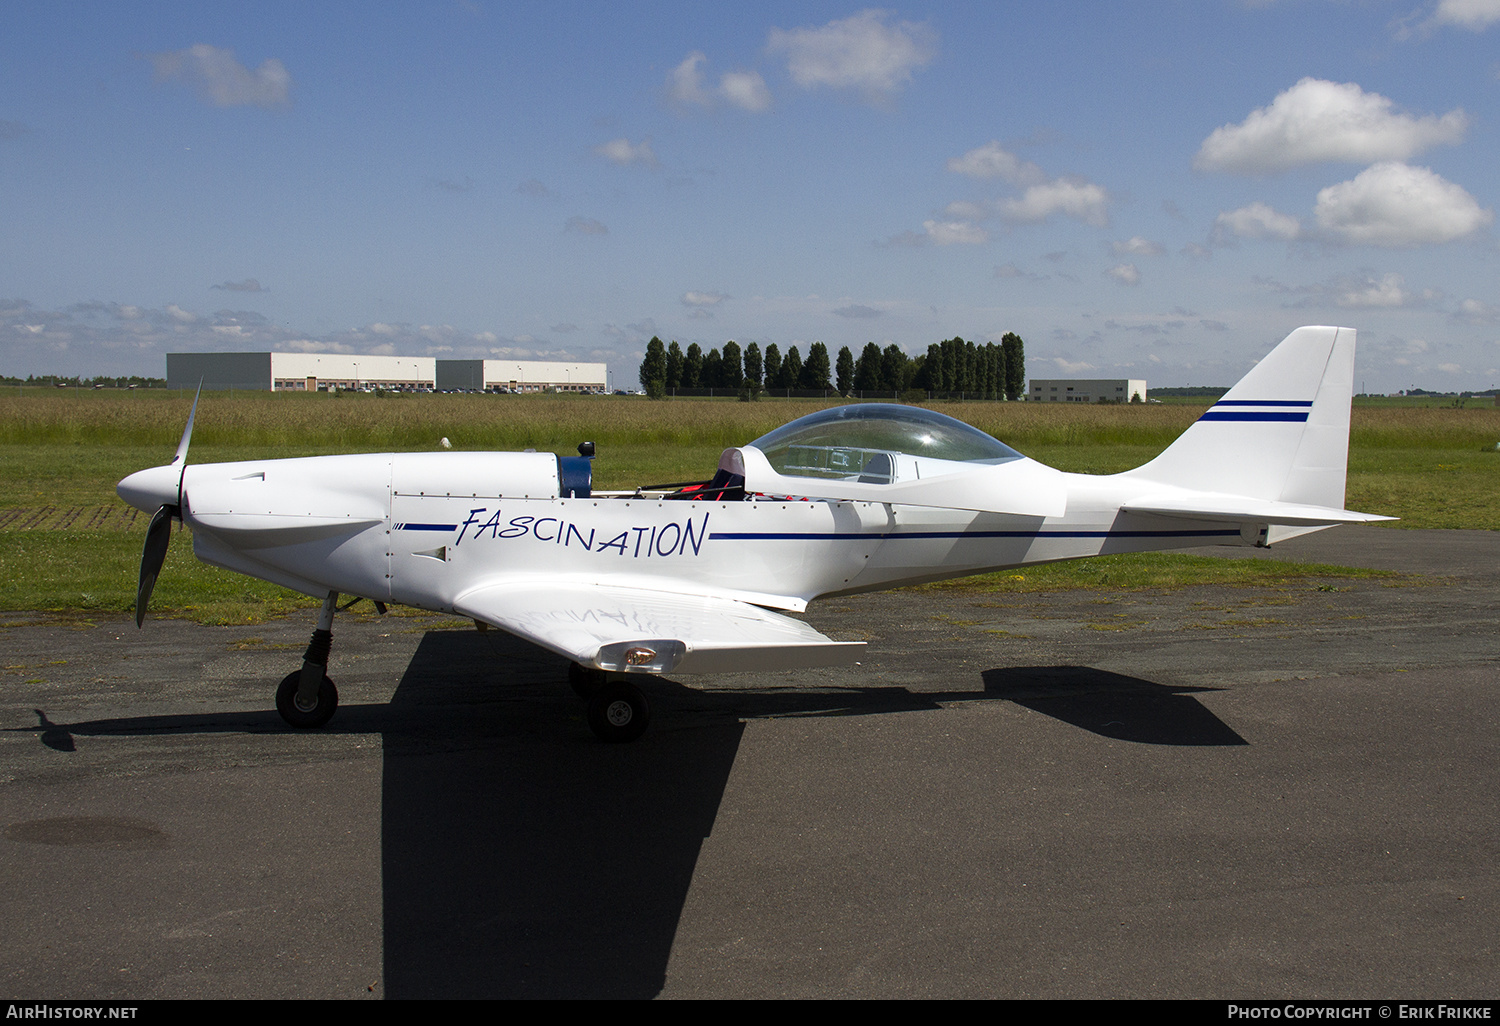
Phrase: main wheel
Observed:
(618, 712)
(295, 713)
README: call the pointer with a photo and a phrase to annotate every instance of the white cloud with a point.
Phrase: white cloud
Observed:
(1125, 274)
(1387, 291)
(1316, 121)
(1072, 366)
(1137, 246)
(1472, 311)
(745, 90)
(222, 80)
(1474, 15)
(622, 152)
(703, 298)
(248, 285)
(948, 233)
(1392, 204)
(1084, 201)
(991, 161)
(859, 52)
(1257, 221)
(685, 83)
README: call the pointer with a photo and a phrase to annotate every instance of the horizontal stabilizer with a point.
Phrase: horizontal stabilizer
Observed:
(1243, 509)
(626, 629)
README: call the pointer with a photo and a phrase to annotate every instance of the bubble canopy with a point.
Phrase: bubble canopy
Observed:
(843, 440)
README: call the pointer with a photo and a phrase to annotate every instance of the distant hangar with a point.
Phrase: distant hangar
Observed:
(321, 372)
(1087, 390)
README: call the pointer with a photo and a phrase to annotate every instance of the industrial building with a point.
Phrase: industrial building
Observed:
(520, 376)
(298, 372)
(1086, 390)
(321, 372)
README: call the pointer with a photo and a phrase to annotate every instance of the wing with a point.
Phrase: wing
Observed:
(637, 630)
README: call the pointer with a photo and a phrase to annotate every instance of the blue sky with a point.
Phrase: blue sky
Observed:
(1157, 190)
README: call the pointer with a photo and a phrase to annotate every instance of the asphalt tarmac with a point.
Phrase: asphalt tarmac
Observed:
(1265, 792)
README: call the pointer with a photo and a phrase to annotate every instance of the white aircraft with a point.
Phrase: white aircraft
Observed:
(698, 579)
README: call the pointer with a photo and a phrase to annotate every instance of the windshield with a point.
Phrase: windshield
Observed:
(861, 439)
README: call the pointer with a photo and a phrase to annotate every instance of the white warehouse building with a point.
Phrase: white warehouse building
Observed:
(521, 376)
(1086, 390)
(320, 372)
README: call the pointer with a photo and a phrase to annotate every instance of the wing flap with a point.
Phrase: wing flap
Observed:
(638, 630)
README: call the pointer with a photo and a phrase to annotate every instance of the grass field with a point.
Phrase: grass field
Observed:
(66, 541)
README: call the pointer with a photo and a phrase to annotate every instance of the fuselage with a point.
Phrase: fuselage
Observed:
(424, 528)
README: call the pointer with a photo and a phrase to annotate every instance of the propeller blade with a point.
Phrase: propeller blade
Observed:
(153, 555)
(182, 445)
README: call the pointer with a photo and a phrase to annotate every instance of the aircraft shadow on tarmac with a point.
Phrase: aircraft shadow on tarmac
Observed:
(1112, 704)
(521, 858)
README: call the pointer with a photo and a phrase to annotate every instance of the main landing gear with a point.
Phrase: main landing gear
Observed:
(306, 698)
(617, 710)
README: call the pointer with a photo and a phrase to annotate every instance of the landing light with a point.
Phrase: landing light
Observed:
(639, 656)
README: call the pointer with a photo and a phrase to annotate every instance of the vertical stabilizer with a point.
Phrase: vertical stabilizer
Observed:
(1282, 433)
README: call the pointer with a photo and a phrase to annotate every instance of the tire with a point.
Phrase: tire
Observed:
(294, 714)
(618, 712)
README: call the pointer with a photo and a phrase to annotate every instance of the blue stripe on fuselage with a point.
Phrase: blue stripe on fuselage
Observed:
(926, 535)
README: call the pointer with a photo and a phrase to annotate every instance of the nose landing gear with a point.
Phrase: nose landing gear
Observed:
(306, 698)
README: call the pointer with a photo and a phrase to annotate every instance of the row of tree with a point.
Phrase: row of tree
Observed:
(990, 370)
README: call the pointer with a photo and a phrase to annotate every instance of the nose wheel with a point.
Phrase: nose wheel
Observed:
(306, 698)
(299, 712)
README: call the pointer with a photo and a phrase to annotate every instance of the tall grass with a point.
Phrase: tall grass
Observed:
(1433, 466)
(359, 422)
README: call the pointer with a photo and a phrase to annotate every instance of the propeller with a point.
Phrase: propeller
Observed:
(153, 555)
(159, 531)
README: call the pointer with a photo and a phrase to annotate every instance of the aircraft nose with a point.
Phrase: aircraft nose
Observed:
(149, 490)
